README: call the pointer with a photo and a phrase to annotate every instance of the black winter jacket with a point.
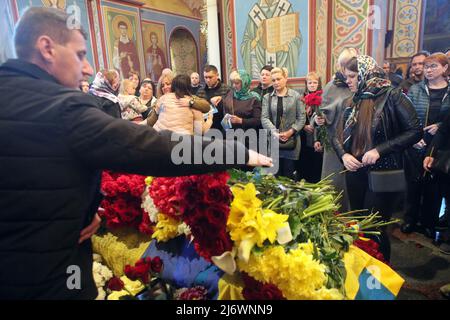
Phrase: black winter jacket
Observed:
(53, 140)
(397, 119)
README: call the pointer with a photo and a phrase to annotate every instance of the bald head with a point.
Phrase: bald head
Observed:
(195, 79)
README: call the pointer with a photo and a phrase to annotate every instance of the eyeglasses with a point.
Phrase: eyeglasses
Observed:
(432, 67)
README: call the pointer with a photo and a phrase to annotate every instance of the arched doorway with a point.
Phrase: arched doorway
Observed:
(183, 52)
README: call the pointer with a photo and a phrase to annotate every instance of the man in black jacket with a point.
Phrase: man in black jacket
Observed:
(53, 143)
(214, 91)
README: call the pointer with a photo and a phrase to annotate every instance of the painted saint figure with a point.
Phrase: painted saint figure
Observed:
(56, 4)
(125, 56)
(155, 58)
(253, 51)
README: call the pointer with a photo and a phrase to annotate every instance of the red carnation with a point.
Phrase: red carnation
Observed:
(157, 264)
(115, 284)
(196, 293)
(255, 290)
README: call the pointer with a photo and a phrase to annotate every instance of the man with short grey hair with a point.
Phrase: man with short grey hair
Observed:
(54, 142)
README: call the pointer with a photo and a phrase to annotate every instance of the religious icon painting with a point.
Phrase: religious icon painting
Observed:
(155, 49)
(123, 42)
(270, 32)
(57, 4)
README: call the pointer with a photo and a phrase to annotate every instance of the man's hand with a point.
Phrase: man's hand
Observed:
(428, 163)
(258, 160)
(320, 121)
(216, 100)
(90, 230)
(351, 163)
(370, 157)
(432, 129)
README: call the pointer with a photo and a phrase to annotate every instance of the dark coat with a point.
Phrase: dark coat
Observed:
(221, 89)
(53, 142)
(398, 119)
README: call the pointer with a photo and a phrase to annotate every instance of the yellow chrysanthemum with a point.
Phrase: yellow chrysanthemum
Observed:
(296, 273)
(166, 228)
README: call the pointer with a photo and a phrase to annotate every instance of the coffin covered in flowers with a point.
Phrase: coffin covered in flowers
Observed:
(238, 235)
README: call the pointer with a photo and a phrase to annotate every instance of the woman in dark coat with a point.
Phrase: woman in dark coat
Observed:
(243, 106)
(377, 124)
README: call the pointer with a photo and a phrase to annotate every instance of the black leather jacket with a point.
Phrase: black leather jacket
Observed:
(395, 116)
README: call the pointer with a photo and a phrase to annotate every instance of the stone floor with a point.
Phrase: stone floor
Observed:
(418, 260)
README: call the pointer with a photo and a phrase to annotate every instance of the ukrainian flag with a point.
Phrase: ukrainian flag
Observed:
(368, 278)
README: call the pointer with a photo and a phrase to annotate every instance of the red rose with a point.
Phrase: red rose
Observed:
(203, 229)
(157, 264)
(140, 270)
(313, 99)
(115, 284)
(217, 192)
(218, 215)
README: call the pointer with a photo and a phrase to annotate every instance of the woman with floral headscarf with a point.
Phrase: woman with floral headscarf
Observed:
(105, 89)
(376, 125)
(242, 105)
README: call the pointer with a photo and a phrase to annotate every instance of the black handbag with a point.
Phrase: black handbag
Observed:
(441, 162)
(387, 181)
(291, 143)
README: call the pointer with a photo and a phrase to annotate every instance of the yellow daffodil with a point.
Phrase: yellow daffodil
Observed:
(249, 224)
(148, 181)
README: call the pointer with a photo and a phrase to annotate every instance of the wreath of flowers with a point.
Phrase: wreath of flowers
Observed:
(122, 202)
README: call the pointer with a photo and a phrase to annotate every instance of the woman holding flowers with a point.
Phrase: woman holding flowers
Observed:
(309, 165)
(376, 125)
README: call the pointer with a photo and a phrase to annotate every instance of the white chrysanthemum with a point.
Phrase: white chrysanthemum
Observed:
(101, 294)
(183, 228)
(149, 206)
(99, 280)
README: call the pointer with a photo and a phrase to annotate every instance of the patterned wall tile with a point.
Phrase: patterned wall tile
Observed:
(349, 27)
(322, 38)
(408, 15)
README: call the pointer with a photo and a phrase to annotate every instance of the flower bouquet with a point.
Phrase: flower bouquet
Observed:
(279, 238)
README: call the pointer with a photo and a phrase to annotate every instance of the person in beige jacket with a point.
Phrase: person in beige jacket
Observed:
(173, 113)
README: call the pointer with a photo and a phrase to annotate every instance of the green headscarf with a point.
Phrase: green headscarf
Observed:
(245, 93)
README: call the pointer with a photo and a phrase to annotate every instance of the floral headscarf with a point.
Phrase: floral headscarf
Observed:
(102, 88)
(371, 81)
(371, 84)
(245, 93)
